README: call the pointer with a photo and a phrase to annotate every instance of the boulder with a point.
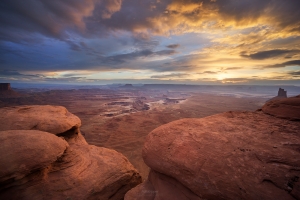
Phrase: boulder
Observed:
(233, 155)
(288, 108)
(60, 164)
(52, 119)
(27, 151)
(40, 165)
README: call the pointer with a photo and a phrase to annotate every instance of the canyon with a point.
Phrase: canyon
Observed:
(116, 121)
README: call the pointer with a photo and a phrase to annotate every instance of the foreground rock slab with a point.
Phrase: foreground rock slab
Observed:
(23, 152)
(233, 155)
(58, 164)
(52, 119)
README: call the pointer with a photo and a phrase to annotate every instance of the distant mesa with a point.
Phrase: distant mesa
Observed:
(5, 87)
(6, 90)
(127, 86)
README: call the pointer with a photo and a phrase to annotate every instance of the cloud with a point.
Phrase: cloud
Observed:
(288, 63)
(121, 58)
(208, 72)
(295, 73)
(173, 46)
(270, 54)
(232, 68)
(235, 80)
(14, 73)
(170, 76)
(111, 6)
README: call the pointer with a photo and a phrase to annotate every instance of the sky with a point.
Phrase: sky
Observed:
(157, 41)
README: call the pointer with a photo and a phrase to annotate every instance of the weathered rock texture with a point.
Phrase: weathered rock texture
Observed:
(60, 164)
(233, 155)
(286, 108)
(5, 87)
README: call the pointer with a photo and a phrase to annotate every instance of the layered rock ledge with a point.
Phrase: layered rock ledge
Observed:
(232, 155)
(44, 156)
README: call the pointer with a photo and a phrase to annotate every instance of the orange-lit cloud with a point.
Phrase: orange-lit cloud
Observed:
(233, 40)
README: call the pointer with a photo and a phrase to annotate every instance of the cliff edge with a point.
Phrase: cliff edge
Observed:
(232, 155)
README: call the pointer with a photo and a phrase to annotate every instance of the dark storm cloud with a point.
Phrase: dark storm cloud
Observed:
(173, 46)
(288, 63)
(270, 54)
(22, 20)
(120, 58)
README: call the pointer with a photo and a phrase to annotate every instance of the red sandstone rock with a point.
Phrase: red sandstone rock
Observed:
(54, 168)
(26, 151)
(288, 108)
(233, 155)
(52, 119)
(39, 165)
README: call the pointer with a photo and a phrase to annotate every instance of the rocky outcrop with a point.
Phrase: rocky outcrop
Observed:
(54, 161)
(53, 119)
(23, 152)
(288, 108)
(5, 87)
(282, 93)
(140, 105)
(233, 155)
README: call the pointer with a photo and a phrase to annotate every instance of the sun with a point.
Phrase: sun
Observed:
(221, 76)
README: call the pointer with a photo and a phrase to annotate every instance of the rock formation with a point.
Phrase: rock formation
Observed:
(6, 91)
(140, 105)
(288, 108)
(232, 155)
(282, 93)
(5, 87)
(44, 156)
